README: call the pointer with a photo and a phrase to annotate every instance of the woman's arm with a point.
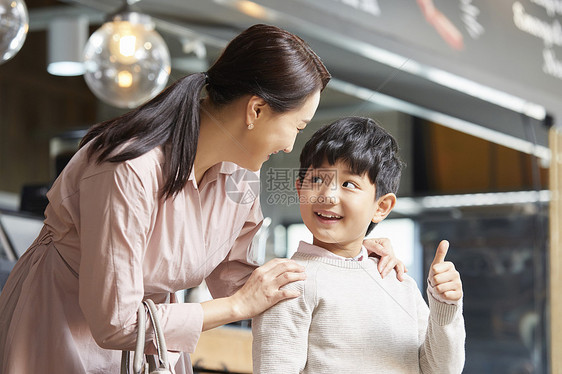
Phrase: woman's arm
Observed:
(116, 203)
(260, 292)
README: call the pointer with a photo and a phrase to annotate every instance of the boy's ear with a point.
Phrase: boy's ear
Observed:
(385, 204)
(254, 109)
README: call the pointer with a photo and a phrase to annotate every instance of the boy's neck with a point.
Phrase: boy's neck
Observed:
(348, 250)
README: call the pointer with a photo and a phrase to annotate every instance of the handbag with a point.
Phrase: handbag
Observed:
(148, 364)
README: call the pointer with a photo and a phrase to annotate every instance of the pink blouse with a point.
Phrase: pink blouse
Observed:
(108, 243)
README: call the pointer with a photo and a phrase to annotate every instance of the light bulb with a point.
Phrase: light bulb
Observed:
(127, 46)
(123, 43)
(124, 79)
(127, 62)
(14, 24)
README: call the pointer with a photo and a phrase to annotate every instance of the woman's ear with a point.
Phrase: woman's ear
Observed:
(298, 185)
(254, 109)
(385, 204)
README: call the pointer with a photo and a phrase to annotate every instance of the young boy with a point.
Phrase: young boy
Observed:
(348, 319)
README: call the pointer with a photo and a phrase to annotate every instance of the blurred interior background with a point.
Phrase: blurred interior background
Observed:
(471, 92)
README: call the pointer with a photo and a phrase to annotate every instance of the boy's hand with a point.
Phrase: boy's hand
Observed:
(443, 276)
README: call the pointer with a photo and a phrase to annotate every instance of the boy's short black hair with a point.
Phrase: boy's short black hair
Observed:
(363, 145)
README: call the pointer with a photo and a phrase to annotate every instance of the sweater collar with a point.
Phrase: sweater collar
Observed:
(316, 251)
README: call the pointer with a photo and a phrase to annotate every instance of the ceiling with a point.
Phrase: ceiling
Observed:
(361, 84)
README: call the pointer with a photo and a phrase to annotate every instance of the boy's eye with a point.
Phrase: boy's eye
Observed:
(349, 185)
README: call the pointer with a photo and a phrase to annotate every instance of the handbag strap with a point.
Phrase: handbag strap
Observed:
(125, 362)
(158, 334)
(138, 358)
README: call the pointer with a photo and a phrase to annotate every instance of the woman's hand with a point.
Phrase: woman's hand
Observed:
(443, 277)
(260, 292)
(383, 248)
(263, 289)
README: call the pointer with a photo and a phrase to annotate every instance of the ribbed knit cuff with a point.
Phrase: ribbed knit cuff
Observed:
(443, 314)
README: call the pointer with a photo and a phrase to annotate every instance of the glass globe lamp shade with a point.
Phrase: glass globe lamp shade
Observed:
(127, 62)
(14, 24)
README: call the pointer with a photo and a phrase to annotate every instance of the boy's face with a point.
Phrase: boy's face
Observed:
(337, 206)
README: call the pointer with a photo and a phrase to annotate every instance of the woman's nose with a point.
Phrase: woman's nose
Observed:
(290, 148)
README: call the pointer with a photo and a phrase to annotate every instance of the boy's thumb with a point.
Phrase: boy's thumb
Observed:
(441, 252)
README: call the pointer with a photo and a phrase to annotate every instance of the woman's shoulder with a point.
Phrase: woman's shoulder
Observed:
(144, 170)
(149, 163)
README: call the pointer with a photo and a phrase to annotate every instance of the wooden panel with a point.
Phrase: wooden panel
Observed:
(224, 348)
(460, 163)
(555, 311)
(34, 107)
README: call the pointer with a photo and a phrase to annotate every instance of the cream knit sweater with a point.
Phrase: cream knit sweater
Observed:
(350, 320)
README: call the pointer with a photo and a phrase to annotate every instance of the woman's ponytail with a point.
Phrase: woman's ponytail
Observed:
(184, 136)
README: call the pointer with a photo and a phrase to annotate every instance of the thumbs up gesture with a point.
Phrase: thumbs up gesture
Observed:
(443, 276)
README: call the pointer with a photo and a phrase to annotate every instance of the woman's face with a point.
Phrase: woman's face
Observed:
(274, 132)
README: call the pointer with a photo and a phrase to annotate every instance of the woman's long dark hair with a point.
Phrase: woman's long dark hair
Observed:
(265, 61)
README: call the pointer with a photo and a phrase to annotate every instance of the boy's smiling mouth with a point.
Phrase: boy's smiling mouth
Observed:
(327, 215)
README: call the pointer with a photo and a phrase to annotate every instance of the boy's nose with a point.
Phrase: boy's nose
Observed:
(330, 199)
(329, 194)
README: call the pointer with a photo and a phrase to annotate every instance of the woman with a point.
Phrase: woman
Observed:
(142, 211)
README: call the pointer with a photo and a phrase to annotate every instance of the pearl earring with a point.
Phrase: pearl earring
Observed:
(250, 126)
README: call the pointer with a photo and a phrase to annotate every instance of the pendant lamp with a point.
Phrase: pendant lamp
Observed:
(127, 62)
(14, 24)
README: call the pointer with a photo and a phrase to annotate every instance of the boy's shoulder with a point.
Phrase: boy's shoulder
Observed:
(391, 279)
(308, 262)
(312, 263)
